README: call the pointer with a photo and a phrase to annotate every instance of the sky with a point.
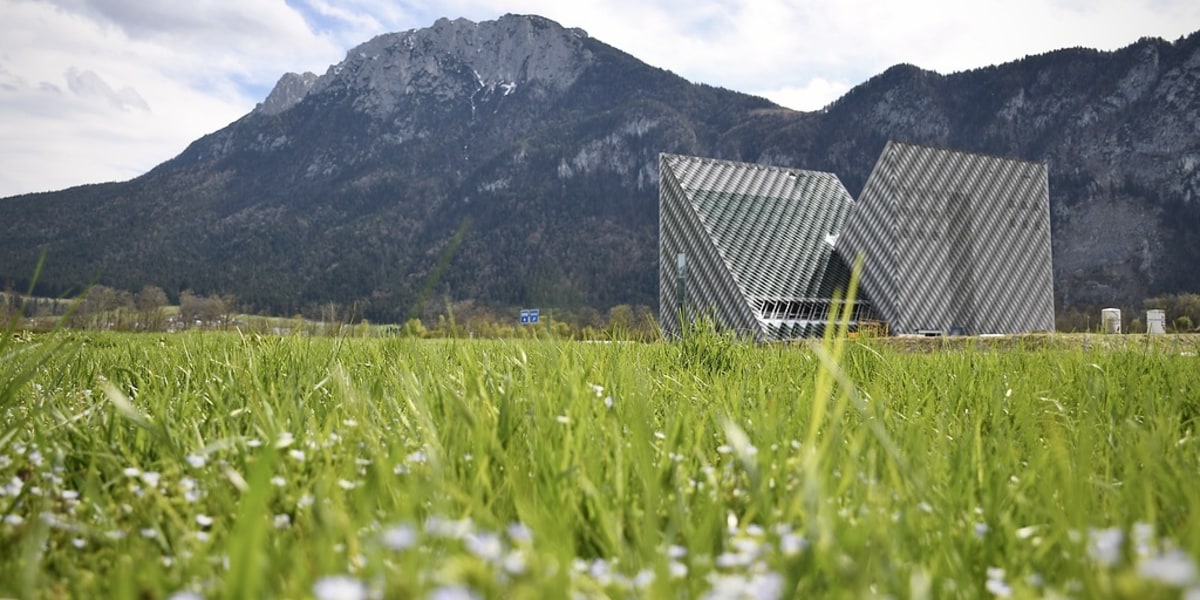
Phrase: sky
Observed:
(104, 90)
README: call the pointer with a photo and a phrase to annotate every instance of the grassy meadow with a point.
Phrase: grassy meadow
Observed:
(222, 465)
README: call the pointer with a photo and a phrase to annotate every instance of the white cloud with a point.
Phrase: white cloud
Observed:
(816, 94)
(95, 90)
(101, 91)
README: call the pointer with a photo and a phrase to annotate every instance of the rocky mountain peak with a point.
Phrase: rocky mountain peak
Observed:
(290, 89)
(459, 57)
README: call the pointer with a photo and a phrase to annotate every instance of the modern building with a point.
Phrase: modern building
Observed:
(750, 246)
(954, 242)
(951, 242)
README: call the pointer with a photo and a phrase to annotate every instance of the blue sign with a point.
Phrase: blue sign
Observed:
(529, 316)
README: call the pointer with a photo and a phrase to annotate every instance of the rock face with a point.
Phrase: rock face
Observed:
(459, 59)
(515, 161)
(292, 88)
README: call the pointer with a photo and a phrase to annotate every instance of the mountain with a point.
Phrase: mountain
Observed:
(514, 162)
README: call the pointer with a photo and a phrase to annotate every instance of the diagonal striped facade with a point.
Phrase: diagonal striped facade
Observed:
(954, 241)
(750, 244)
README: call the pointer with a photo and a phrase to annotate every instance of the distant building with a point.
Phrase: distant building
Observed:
(749, 245)
(954, 242)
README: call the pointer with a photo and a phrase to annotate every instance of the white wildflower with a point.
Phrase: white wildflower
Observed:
(484, 545)
(792, 544)
(514, 562)
(191, 491)
(282, 520)
(196, 460)
(747, 545)
(996, 584)
(339, 587)
(453, 592)
(520, 533)
(1104, 545)
(643, 579)
(1143, 539)
(731, 560)
(150, 478)
(204, 520)
(998, 588)
(600, 570)
(981, 529)
(297, 455)
(1173, 567)
(448, 528)
(400, 537)
(765, 586)
(677, 569)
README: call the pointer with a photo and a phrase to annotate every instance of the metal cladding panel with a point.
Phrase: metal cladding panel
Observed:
(708, 285)
(955, 240)
(870, 231)
(755, 237)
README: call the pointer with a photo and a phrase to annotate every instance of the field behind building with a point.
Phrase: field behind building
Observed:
(220, 465)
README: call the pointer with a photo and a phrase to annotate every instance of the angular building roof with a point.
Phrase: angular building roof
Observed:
(757, 245)
(954, 241)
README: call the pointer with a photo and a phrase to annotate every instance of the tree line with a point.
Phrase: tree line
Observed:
(106, 308)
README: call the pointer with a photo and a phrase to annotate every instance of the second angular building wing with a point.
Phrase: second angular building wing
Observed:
(954, 241)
